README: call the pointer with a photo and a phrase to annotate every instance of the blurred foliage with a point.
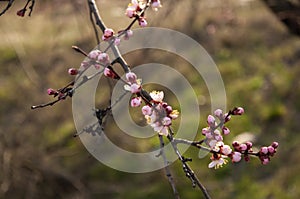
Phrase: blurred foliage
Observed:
(257, 57)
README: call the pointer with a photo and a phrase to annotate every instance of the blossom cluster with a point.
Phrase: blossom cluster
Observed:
(158, 114)
(221, 151)
(136, 7)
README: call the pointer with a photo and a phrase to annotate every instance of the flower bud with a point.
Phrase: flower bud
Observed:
(142, 22)
(218, 113)
(94, 54)
(211, 120)
(147, 110)
(135, 102)
(238, 111)
(236, 157)
(275, 145)
(51, 91)
(225, 130)
(264, 150)
(73, 71)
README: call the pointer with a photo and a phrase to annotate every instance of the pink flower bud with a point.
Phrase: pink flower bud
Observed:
(128, 34)
(84, 64)
(135, 88)
(108, 33)
(275, 145)
(169, 109)
(218, 113)
(142, 22)
(226, 150)
(271, 150)
(131, 77)
(225, 130)
(211, 120)
(130, 12)
(94, 54)
(147, 110)
(136, 102)
(265, 161)
(117, 41)
(243, 147)
(238, 111)
(205, 131)
(166, 121)
(249, 145)
(264, 150)
(103, 58)
(156, 4)
(236, 157)
(109, 73)
(235, 144)
(73, 71)
(227, 118)
(51, 91)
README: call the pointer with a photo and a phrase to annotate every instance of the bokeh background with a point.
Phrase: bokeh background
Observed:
(257, 55)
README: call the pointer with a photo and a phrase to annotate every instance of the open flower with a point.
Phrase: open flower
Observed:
(134, 84)
(217, 161)
(157, 96)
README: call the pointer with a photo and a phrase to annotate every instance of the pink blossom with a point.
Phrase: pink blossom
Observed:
(236, 156)
(225, 130)
(135, 88)
(264, 150)
(271, 150)
(109, 73)
(73, 71)
(166, 121)
(205, 131)
(84, 64)
(103, 58)
(142, 22)
(136, 102)
(226, 150)
(218, 113)
(146, 110)
(130, 12)
(211, 120)
(238, 111)
(243, 147)
(275, 145)
(157, 96)
(131, 77)
(174, 114)
(164, 131)
(94, 54)
(108, 33)
(217, 162)
(117, 41)
(128, 34)
(265, 161)
(51, 91)
(156, 4)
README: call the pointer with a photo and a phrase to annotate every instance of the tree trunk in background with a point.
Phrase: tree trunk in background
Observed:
(288, 12)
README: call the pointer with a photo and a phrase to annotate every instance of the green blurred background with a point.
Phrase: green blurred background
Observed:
(257, 56)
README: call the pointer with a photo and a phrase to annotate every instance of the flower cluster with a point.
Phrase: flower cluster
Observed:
(264, 153)
(133, 84)
(221, 151)
(136, 7)
(159, 114)
(96, 58)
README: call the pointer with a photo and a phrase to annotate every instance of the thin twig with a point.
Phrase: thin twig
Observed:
(9, 4)
(167, 169)
(187, 169)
